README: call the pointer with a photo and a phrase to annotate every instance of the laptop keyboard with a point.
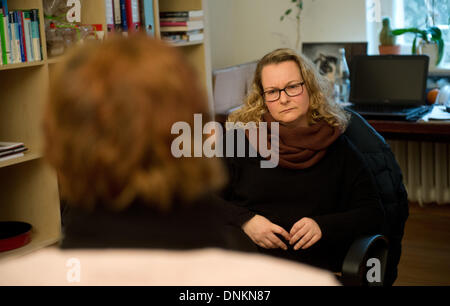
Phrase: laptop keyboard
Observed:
(392, 113)
(381, 108)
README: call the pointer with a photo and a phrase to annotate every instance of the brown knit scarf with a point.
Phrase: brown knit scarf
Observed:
(302, 147)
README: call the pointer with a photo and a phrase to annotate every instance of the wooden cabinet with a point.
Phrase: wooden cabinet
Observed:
(29, 187)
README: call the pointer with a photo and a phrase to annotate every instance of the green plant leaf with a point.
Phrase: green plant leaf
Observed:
(281, 18)
(413, 50)
(407, 30)
(435, 32)
(288, 12)
(440, 44)
(421, 33)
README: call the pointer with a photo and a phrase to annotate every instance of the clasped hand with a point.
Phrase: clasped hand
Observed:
(303, 234)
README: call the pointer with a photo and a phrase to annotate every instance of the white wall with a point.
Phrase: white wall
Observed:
(244, 30)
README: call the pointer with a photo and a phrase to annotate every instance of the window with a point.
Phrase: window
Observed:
(413, 13)
(421, 14)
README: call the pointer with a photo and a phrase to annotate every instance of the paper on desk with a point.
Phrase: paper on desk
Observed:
(438, 113)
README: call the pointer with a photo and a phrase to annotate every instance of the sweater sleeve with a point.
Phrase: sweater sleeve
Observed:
(236, 208)
(361, 212)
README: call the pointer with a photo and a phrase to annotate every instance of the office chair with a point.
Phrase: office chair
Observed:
(392, 192)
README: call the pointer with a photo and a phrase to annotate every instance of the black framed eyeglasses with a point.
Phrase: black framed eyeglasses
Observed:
(291, 90)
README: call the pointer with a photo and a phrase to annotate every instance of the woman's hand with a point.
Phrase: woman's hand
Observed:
(262, 232)
(306, 232)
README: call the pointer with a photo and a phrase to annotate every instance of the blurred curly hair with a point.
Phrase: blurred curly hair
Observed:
(107, 125)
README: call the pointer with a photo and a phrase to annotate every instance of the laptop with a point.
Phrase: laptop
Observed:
(389, 87)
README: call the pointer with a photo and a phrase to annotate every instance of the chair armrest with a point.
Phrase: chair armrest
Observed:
(354, 267)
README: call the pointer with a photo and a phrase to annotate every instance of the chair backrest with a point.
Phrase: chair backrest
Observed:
(389, 181)
(231, 85)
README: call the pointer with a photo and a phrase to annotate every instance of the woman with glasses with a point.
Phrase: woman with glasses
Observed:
(320, 196)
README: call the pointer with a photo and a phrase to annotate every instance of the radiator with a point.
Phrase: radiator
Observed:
(426, 170)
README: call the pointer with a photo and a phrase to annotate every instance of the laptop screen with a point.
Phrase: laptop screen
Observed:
(389, 79)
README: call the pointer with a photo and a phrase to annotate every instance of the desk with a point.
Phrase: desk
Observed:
(418, 131)
(436, 131)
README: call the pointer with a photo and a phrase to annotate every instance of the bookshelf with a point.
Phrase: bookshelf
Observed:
(29, 189)
(197, 53)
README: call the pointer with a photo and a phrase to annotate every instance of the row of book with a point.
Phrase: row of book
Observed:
(181, 26)
(9, 150)
(128, 16)
(20, 40)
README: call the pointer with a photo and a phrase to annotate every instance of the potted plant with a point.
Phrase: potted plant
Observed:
(430, 42)
(298, 7)
(387, 39)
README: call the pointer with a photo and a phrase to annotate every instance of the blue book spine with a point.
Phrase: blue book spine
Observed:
(35, 35)
(123, 14)
(147, 20)
(27, 31)
(19, 33)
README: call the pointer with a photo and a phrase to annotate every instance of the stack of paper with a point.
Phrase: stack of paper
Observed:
(438, 113)
(9, 150)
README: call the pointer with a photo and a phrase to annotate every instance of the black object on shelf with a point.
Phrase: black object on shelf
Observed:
(14, 234)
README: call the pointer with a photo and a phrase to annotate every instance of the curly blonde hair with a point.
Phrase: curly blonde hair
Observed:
(321, 103)
(108, 122)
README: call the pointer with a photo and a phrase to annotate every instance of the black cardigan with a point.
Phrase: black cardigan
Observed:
(141, 225)
(338, 193)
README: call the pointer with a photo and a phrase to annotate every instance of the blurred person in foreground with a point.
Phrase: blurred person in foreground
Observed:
(137, 215)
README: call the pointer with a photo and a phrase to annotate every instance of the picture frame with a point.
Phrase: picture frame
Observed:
(325, 55)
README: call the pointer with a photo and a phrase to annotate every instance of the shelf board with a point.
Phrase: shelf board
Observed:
(184, 44)
(28, 156)
(21, 65)
(55, 60)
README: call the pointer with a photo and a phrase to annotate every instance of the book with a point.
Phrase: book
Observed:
(4, 8)
(13, 151)
(10, 150)
(109, 10)
(15, 43)
(171, 14)
(3, 40)
(35, 35)
(27, 31)
(197, 24)
(147, 18)
(123, 16)
(176, 19)
(22, 37)
(181, 26)
(11, 156)
(133, 16)
(117, 15)
(187, 36)
(178, 29)
(19, 33)
(5, 146)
